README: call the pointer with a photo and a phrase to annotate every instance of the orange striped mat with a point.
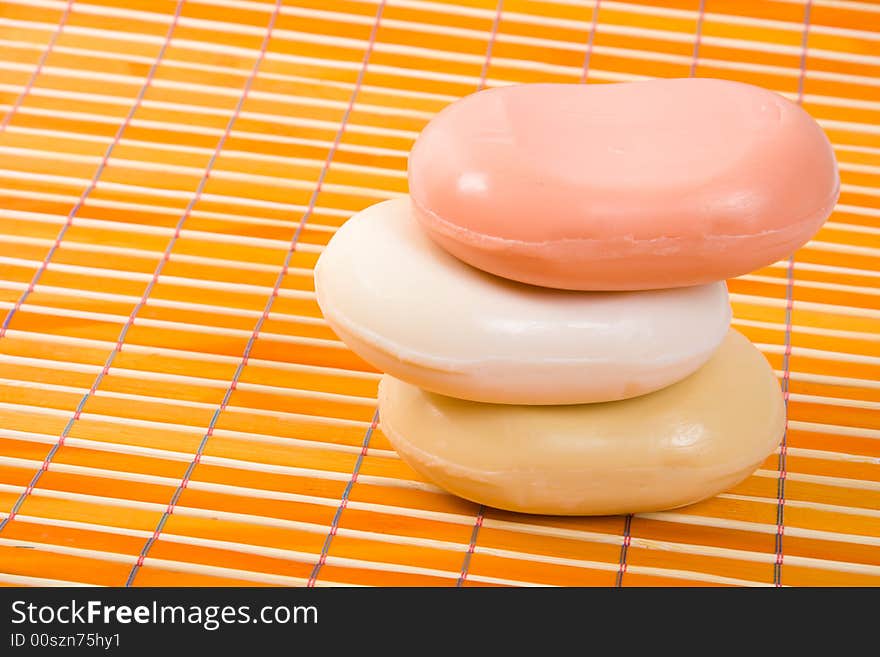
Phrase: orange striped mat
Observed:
(173, 408)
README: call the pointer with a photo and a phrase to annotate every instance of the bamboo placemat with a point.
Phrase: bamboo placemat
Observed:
(173, 409)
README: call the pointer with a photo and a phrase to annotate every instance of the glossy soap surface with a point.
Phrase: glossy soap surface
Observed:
(626, 186)
(667, 449)
(409, 308)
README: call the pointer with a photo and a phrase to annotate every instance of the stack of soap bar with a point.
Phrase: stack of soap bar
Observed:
(549, 304)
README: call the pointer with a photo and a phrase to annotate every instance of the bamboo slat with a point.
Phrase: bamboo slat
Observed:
(175, 411)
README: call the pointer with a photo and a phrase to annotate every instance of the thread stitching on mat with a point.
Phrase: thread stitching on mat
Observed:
(472, 545)
(786, 357)
(478, 521)
(93, 183)
(343, 503)
(213, 422)
(50, 46)
(590, 39)
(701, 16)
(265, 314)
(627, 523)
(624, 548)
(79, 408)
(365, 446)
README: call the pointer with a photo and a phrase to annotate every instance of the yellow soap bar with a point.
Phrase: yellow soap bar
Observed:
(666, 449)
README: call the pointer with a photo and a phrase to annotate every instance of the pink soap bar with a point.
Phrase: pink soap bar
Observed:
(640, 185)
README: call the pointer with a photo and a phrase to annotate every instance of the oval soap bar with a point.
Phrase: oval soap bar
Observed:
(667, 449)
(628, 186)
(409, 308)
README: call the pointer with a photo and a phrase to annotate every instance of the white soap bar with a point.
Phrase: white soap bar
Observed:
(410, 309)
